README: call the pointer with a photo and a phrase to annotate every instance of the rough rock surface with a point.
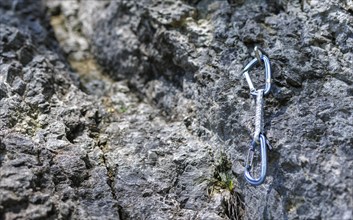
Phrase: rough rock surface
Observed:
(137, 110)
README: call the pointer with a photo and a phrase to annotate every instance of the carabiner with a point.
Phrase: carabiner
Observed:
(250, 65)
(249, 161)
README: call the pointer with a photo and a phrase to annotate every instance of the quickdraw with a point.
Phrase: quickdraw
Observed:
(259, 138)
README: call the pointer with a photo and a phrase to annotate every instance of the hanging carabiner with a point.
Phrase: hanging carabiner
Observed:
(249, 162)
(266, 61)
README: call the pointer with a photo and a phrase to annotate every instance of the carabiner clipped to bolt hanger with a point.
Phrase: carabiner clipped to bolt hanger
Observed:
(259, 138)
(260, 56)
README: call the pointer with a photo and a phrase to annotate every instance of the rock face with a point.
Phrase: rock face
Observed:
(51, 164)
(137, 109)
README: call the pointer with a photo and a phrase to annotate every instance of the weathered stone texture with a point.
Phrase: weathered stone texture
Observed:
(164, 132)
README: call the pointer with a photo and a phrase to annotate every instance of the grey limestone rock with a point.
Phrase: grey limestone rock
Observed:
(44, 173)
(137, 110)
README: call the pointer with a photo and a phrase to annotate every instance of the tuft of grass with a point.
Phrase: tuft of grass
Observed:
(227, 181)
(223, 177)
(122, 109)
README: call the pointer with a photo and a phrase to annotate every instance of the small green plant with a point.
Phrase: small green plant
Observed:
(223, 177)
(227, 181)
(122, 109)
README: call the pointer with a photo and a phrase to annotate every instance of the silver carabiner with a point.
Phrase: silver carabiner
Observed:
(249, 162)
(266, 61)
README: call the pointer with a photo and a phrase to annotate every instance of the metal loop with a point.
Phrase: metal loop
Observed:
(250, 65)
(258, 53)
(249, 161)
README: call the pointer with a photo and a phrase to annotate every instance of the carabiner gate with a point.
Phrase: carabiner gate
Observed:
(249, 161)
(250, 65)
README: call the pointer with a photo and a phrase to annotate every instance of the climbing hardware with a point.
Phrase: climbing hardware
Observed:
(259, 138)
